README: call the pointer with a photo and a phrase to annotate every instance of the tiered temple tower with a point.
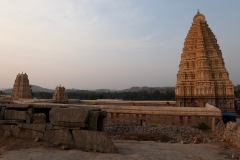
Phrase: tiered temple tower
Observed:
(202, 76)
(21, 88)
(59, 95)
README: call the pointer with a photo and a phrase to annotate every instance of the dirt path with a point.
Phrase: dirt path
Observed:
(12, 149)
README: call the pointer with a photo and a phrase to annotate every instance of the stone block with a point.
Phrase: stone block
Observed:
(70, 114)
(19, 132)
(61, 137)
(69, 124)
(9, 122)
(93, 141)
(26, 133)
(39, 118)
(35, 127)
(15, 115)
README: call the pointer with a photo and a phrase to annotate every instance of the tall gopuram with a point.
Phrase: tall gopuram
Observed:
(202, 77)
(21, 88)
(59, 95)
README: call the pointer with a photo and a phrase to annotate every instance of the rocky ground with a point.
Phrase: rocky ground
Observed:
(133, 142)
(12, 149)
(163, 133)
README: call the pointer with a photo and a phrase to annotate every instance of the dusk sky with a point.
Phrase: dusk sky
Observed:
(112, 44)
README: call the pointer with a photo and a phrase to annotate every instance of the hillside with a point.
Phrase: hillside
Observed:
(34, 88)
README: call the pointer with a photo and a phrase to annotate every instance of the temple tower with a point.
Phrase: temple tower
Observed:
(59, 95)
(21, 88)
(202, 76)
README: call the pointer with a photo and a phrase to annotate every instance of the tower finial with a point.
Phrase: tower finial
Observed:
(198, 12)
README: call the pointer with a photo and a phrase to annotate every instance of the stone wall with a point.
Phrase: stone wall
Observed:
(151, 115)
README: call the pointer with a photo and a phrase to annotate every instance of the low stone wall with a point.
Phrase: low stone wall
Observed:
(76, 127)
(173, 116)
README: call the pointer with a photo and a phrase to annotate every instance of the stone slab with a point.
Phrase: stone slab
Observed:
(69, 124)
(15, 115)
(11, 121)
(35, 127)
(70, 114)
(93, 141)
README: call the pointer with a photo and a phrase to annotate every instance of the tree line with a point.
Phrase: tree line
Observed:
(91, 95)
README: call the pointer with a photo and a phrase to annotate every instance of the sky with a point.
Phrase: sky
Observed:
(112, 44)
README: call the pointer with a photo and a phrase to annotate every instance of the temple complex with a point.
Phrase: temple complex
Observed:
(59, 95)
(202, 77)
(21, 88)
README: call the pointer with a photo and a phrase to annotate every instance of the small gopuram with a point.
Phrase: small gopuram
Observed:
(59, 95)
(21, 88)
(202, 77)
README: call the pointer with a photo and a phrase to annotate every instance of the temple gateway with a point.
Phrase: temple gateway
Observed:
(202, 77)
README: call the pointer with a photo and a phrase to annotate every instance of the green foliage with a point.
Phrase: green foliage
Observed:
(42, 95)
(141, 95)
(237, 93)
(91, 95)
(203, 127)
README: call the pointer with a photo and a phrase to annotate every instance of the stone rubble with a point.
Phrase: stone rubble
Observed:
(174, 133)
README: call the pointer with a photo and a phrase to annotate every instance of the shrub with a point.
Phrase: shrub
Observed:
(203, 127)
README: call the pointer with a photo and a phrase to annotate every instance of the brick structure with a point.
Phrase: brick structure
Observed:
(21, 88)
(59, 95)
(202, 77)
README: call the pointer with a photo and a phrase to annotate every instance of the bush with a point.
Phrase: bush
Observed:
(203, 127)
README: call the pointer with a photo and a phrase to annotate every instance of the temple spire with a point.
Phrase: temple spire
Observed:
(202, 77)
(198, 12)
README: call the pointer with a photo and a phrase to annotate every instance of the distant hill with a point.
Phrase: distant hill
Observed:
(40, 89)
(34, 89)
(149, 89)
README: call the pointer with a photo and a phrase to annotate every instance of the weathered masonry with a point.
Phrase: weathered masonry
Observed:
(77, 127)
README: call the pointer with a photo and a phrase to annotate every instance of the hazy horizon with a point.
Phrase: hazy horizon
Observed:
(95, 44)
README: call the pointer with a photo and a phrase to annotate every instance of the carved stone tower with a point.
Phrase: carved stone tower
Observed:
(21, 88)
(59, 95)
(202, 76)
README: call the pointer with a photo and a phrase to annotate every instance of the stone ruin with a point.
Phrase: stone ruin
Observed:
(74, 127)
(21, 88)
(59, 95)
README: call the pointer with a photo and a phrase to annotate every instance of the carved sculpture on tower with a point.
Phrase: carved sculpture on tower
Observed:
(21, 88)
(202, 77)
(59, 95)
